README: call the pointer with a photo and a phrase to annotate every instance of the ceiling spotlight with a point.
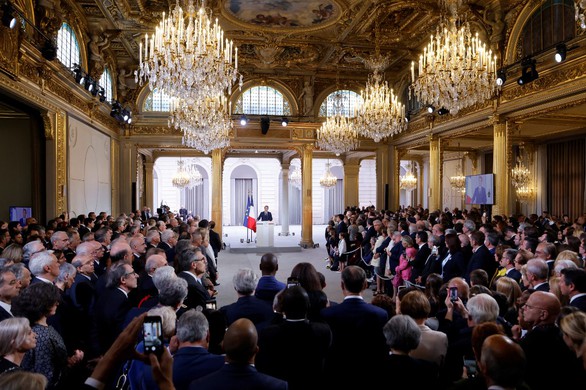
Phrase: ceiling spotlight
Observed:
(407, 117)
(95, 88)
(528, 73)
(560, 52)
(501, 77)
(243, 120)
(8, 18)
(265, 123)
(88, 83)
(78, 73)
(430, 109)
(126, 115)
(284, 122)
(102, 94)
(443, 111)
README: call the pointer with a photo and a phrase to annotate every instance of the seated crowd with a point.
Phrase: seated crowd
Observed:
(460, 301)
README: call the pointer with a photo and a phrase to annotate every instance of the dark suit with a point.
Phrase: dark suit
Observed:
(265, 216)
(580, 303)
(191, 363)
(419, 262)
(109, 312)
(82, 230)
(238, 376)
(169, 251)
(4, 314)
(215, 242)
(454, 267)
(432, 265)
(341, 227)
(258, 311)
(513, 273)
(406, 372)
(479, 196)
(197, 294)
(481, 259)
(358, 341)
(543, 287)
(267, 287)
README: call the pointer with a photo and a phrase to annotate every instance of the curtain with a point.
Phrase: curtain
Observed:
(334, 200)
(242, 188)
(566, 178)
(294, 205)
(195, 200)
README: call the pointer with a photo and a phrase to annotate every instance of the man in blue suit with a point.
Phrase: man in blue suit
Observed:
(240, 346)
(268, 286)
(479, 196)
(265, 215)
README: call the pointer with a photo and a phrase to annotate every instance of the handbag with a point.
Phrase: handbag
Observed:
(375, 261)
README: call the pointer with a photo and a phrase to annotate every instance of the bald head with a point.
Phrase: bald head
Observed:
(154, 262)
(269, 264)
(240, 341)
(503, 361)
(544, 306)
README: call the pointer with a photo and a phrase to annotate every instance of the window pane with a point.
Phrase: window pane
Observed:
(350, 102)
(106, 83)
(157, 101)
(68, 51)
(262, 100)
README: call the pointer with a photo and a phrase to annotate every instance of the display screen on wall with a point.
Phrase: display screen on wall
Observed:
(480, 189)
(20, 213)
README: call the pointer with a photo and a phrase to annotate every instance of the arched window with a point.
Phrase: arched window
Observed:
(157, 101)
(106, 83)
(350, 102)
(262, 100)
(68, 51)
(550, 24)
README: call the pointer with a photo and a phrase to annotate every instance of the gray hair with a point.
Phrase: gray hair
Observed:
(65, 270)
(30, 248)
(58, 235)
(470, 225)
(402, 333)
(13, 333)
(115, 274)
(245, 281)
(168, 318)
(17, 269)
(539, 268)
(85, 248)
(39, 261)
(167, 234)
(482, 308)
(152, 234)
(192, 326)
(163, 273)
(172, 292)
(559, 265)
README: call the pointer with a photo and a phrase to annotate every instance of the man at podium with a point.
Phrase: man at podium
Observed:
(265, 215)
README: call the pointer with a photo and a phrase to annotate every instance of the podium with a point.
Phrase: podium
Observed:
(265, 234)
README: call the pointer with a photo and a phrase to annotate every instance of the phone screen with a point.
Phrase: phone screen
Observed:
(211, 305)
(292, 282)
(471, 368)
(453, 294)
(152, 330)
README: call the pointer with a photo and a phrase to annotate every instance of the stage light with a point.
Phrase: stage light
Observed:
(102, 94)
(407, 117)
(265, 123)
(501, 77)
(443, 111)
(560, 52)
(528, 73)
(430, 109)
(243, 120)
(95, 88)
(284, 122)
(88, 83)
(8, 17)
(78, 73)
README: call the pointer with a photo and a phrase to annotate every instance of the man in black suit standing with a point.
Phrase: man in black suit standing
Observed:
(265, 215)
(9, 288)
(423, 252)
(192, 267)
(481, 257)
(573, 285)
(215, 239)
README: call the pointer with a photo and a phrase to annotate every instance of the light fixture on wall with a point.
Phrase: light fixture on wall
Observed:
(181, 177)
(408, 182)
(328, 180)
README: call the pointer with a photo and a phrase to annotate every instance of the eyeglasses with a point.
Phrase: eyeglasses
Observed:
(533, 307)
(131, 273)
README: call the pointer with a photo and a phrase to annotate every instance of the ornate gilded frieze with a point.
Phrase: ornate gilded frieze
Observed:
(61, 168)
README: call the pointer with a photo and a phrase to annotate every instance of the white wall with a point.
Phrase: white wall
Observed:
(89, 178)
(367, 183)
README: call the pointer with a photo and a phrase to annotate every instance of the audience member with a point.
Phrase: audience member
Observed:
(16, 338)
(268, 286)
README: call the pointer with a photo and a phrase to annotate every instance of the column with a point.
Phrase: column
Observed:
(351, 169)
(306, 197)
(382, 177)
(217, 197)
(284, 199)
(395, 167)
(500, 167)
(56, 167)
(127, 175)
(435, 180)
(148, 179)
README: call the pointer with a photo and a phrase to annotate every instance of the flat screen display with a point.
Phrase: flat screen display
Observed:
(20, 214)
(480, 189)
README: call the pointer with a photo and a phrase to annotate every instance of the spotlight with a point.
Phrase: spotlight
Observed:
(126, 115)
(102, 94)
(265, 123)
(88, 83)
(430, 109)
(116, 111)
(407, 117)
(243, 120)
(49, 50)
(528, 73)
(443, 111)
(284, 122)
(78, 73)
(560, 52)
(95, 88)
(8, 18)
(501, 77)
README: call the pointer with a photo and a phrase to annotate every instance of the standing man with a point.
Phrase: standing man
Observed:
(265, 215)
(479, 196)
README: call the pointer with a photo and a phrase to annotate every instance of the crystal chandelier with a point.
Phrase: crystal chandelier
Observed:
(524, 194)
(458, 181)
(581, 13)
(337, 134)
(181, 177)
(408, 182)
(456, 69)
(328, 180)
(520, 174)
(188, 56)
(195, 176)
(381, 114)
(295, 177)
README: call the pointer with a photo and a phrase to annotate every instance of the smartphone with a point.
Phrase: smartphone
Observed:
(291, 281)
(211, 305)
(453, 294)
(471, 367)
(401, 288)
(152, 331)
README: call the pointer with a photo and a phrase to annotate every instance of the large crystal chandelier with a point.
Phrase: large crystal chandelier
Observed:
(195, 176)
(328, 180)
(581, 13)
(520, 174)
(381, 114)
(458, 181)
(456, 69)
(181, 177)
(337, 134)
(188, 56)
(295, 177)
(408, 182)
(525, 193)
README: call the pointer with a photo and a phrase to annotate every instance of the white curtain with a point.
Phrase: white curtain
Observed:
(242, 188)
(333, 202)
(294, 205)
(195, 200)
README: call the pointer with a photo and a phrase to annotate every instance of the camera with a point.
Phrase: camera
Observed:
(291, 282)
(453, 294)
(152, 331)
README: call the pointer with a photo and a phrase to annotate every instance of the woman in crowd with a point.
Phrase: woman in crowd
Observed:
(16, 338)
(13, 254)
(510, 288)
(308, 278)
(573, 328)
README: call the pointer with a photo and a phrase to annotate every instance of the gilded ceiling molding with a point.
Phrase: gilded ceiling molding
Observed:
(10, 42)
(154, 130)
(552, 108)
(48, 126)
(520, 15)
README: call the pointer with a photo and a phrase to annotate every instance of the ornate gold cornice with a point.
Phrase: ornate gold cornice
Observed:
(49, 126)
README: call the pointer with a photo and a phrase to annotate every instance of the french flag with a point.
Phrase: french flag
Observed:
(249, 219)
